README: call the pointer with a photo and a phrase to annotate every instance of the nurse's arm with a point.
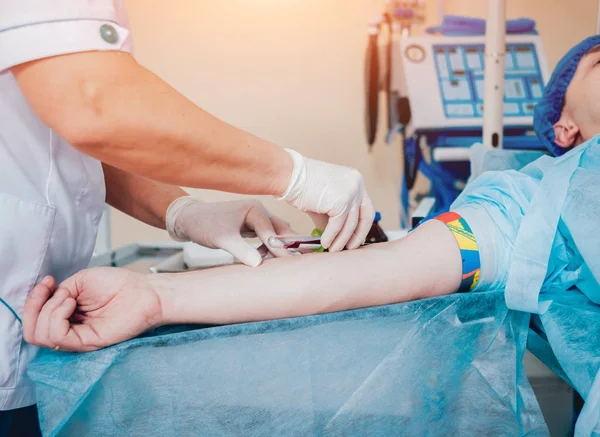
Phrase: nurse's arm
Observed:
(110, 107)
(424, 264)
(138, 197)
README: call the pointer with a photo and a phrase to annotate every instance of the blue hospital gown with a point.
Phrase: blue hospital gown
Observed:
(495, 204)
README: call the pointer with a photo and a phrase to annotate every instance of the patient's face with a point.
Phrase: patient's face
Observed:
(580, 118)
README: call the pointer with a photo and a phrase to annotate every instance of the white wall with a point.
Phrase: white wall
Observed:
(291, 71)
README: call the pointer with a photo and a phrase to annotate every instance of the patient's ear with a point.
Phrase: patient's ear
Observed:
(566, 132)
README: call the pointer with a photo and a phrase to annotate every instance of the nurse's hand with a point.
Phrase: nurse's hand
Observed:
(336, 199)
(93, 309)
(225, 225)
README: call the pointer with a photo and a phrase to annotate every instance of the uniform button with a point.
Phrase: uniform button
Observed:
(109, 34)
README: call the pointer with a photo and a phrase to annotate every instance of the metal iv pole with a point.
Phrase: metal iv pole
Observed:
(495, 47)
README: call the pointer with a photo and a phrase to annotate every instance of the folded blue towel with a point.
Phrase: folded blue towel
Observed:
(455, 25)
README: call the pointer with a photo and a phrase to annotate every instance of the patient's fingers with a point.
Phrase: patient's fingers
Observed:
(59, 324)
(43, 328)
(49, 282)
(77, 317)
(38, 296)
(78, 338)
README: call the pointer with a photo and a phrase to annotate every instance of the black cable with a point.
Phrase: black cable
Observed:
(387, 84)
(372, 88)
(410, 172)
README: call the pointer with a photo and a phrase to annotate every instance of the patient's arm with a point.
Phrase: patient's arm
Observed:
(426, 263)
(102, 306)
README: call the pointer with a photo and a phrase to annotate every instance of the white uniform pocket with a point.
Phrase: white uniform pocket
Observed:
(25, 229)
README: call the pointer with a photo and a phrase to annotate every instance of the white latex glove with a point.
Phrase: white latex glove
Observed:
(224, 225)
(336, 199)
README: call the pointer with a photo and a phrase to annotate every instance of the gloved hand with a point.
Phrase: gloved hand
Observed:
(336, 199)
(224, 225)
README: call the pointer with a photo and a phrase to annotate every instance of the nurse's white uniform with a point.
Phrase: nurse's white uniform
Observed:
(51, 195)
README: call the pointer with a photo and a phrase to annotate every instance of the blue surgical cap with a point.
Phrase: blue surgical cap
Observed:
(549, 108)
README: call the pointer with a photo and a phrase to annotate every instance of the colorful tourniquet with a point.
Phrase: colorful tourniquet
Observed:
(469, 249)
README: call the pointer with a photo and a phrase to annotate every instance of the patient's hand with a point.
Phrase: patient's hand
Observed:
(94, 308)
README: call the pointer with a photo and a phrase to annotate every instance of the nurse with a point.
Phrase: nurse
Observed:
(81, 123)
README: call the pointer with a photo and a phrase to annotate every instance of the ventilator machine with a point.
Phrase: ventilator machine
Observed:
(435, 85)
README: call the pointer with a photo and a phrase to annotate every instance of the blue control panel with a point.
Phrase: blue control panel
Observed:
(460, 76)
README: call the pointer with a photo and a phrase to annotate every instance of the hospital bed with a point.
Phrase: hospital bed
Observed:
(555, 397)
(366, 372)
(450, 365)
